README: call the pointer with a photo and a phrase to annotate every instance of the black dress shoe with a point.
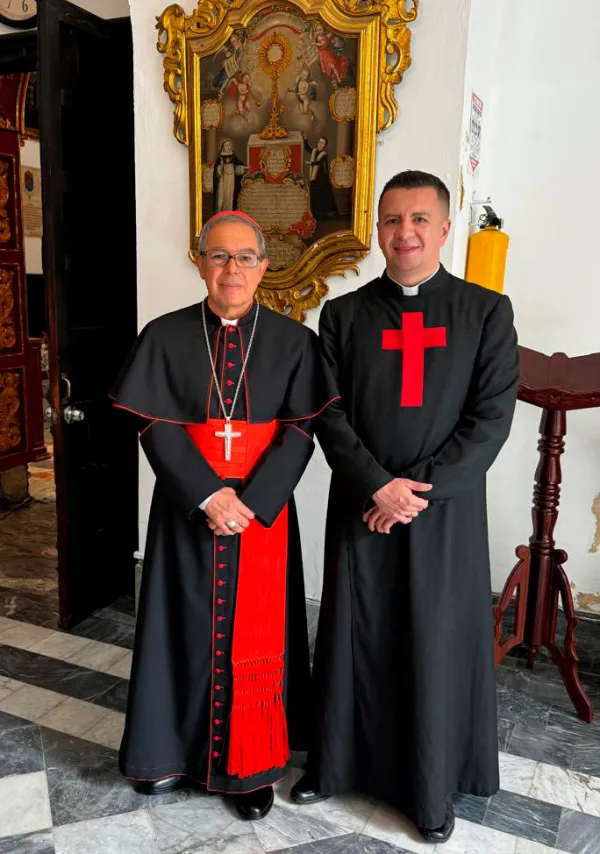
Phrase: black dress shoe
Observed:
(160, 787)
(443, 833)
(305, 791)
(255, 805)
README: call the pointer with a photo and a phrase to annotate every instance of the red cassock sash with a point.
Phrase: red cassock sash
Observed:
(258, 737)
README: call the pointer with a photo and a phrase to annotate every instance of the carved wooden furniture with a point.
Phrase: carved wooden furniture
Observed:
(556, 384)
(21, 402)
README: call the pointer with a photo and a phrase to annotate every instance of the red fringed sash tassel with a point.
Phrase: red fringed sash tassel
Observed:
(258, 737)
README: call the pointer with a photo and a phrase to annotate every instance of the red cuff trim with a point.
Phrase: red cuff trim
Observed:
(314, 414)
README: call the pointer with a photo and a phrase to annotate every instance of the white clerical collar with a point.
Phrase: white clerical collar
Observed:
(225, 322)
(414, 290)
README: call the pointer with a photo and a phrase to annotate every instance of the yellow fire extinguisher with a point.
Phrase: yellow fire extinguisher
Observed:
(486, 253)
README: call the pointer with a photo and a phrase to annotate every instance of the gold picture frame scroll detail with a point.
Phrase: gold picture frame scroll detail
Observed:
(379, 33)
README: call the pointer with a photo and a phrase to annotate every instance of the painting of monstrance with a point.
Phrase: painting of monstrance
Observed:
(280, 106)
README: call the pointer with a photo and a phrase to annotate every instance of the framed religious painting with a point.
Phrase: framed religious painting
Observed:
(280, 104)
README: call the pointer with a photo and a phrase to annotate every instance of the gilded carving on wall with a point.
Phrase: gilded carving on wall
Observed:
(8, 332)
(277, 102)
(5, 232)
(10, 402)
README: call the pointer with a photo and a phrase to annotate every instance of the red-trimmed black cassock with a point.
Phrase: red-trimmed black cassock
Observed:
(221, 665)
(404, 671)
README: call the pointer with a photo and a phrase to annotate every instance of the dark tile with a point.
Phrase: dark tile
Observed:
(586, 758)
(107, 631)
(524, 817)
(555, 748)
(84, 781)
(20, 746)
(30, 843)
(29, 608)
(522, 709)
(64, 678)
(543, 683)
(563, 720)
(116, 616)
(354, 843)
(578, 833)
(505, 730)
(469, 807)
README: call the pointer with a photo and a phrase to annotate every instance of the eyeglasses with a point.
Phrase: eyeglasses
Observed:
(219, 258)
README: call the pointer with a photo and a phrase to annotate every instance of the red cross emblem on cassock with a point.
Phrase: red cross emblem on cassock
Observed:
(413, 339)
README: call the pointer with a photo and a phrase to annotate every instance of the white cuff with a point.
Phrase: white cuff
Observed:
(206, 500)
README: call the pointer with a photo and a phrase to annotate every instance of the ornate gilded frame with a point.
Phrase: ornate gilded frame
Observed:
(381, 28)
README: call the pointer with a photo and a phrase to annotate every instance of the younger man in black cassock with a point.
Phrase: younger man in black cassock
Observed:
(427, 369)
(226, 391)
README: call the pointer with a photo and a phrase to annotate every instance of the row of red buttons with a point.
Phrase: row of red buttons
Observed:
(218, 652)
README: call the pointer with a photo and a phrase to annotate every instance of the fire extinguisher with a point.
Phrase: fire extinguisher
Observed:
(486, 253)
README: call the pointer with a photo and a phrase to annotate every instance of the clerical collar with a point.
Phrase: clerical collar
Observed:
(415, 289)
(214, 319)
(428, 285)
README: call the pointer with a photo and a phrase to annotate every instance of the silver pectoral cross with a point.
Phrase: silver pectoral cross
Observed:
(227, 435)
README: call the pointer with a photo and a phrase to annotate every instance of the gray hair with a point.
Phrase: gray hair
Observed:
(233, 217)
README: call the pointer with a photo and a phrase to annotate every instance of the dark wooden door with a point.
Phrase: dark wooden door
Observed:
(87, 150)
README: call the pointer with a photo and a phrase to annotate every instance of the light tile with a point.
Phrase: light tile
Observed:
(570, 789)
(526, 846)
(203, 826)
(23, 635)
(96, 656)
(516, 773)
(130, 833)
(60, 645)
(121, 668)
(350, 812)
(30, 702)
(476, 839)
(389, 826)
(283, 828)
(74, 717)
(8, 684)
(24, 804)
(108, 731)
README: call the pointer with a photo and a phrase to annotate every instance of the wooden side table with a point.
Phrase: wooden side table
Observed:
(556, 384)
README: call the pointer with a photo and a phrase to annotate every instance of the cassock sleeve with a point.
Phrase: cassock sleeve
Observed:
(180, 468)
(344, 451)
(465, 458)
(273, 480)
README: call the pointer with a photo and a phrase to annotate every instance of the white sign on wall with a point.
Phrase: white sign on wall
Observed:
(475, 132)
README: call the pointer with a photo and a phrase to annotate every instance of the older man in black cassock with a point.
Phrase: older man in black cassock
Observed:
(226, 391)
(427, 368)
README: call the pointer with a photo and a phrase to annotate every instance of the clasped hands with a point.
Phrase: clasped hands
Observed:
(396, 502)
(226, 507)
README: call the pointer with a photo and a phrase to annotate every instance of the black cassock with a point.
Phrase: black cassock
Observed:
(178, 710)
(404, 673)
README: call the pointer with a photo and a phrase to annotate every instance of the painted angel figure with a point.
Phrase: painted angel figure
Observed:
(334, 63)
(306, 91)
(241, 89)
(230, 64)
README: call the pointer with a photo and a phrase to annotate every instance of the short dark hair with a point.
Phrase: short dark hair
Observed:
(411, 179)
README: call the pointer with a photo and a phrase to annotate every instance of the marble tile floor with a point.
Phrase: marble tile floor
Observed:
(28, 557)
(62, 699)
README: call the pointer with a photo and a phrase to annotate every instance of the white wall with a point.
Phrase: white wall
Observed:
(426, 135)
(540, 167)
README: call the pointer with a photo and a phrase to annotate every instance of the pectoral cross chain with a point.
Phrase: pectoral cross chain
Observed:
(227, 435)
